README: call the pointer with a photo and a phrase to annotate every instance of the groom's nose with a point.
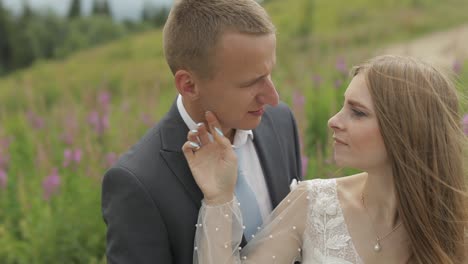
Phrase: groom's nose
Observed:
(268, 94)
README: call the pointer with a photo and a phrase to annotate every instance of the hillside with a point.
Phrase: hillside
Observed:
(62, 123)
(132, 71)
(317, 33)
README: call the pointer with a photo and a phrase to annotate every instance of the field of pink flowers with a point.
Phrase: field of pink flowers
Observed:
(53, 154)
(63, 123)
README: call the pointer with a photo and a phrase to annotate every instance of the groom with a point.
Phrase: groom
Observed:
(221, 53)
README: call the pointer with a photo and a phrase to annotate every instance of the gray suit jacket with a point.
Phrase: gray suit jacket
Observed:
(150, 200)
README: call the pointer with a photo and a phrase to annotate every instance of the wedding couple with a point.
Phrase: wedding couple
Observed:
(210, 183)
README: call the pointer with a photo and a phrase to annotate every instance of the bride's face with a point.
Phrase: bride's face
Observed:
(357, 139)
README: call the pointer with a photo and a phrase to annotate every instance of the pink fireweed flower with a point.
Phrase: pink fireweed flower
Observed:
(71, 125)
(317, 80)
(5, 143)
(51, 184)
(34, 120)
(93, 118)
(71, 156)
(298, 100)
(67, 138)
(457, 66)
(67, 155)
(465, 124)
(99, 122)
(77, 156)
(111, 158)
(304, 163)
(341, 67)
(4, 158)
(3, 179)
(105, 121)
(146, 119)
(338, 83)
(104, 98)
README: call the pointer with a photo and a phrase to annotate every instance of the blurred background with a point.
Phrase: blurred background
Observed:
(81, 81)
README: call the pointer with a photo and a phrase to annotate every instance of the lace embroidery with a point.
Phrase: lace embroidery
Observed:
(313, 205)
(326, 238)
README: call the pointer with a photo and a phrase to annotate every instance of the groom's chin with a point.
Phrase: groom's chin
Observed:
(250, 124)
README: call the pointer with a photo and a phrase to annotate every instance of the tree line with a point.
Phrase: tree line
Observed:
(35, 35)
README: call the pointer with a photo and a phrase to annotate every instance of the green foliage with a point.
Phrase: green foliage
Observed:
(101, 7)
(48, 36)
(5, 47)
(27, 12)
(42, 35)
(75, 9)
(306, 24)
(155, 15)
(38, 35)
(87, 32)
(64, 93)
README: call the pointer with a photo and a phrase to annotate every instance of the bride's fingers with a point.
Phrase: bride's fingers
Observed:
(215, 129)
(193, 136)
(189, 149)
(203, 134)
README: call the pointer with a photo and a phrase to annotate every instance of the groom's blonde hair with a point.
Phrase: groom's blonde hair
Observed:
(194, 28)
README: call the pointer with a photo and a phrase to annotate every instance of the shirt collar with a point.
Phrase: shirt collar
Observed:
(185, 116)
(240, 138)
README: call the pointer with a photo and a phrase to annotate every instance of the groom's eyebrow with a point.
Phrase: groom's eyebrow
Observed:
(250, 82)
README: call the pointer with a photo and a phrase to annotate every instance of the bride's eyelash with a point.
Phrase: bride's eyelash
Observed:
(358, 113)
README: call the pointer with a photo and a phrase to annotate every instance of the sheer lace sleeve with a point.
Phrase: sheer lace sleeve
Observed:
(219, 233)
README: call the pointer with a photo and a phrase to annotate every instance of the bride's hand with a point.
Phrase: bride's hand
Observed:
(213, 163)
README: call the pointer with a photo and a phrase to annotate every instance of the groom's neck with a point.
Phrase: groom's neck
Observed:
(198, 115)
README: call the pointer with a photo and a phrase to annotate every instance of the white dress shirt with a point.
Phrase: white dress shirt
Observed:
(249, 163)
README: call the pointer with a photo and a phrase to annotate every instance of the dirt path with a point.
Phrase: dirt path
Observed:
(441, 48)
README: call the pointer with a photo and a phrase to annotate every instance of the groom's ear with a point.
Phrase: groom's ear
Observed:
(185, 83)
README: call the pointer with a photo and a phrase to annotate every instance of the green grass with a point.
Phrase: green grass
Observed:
(68, 228)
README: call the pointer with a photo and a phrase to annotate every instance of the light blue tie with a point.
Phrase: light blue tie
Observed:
(248, 203)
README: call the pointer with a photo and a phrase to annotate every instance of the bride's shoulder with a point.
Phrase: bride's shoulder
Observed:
(351, 182)
(344, 183)
(349, 187)
(317, 185)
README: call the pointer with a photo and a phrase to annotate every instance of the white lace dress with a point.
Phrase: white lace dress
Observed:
(307, 226)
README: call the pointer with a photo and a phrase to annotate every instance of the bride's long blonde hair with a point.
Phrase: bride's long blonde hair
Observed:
(417, 107)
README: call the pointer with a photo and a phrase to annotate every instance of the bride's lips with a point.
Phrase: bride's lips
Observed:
(258, 112)
(338, 141)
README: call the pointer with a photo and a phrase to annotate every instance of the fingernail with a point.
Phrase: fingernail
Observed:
(194, 131)
(194, 145)
(219, 131)
(200, 124)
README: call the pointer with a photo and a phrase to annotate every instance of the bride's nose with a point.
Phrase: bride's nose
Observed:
(335, 123)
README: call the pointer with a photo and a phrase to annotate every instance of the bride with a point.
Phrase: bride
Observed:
(400, 125)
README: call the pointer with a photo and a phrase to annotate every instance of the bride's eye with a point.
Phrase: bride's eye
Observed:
(358, 113)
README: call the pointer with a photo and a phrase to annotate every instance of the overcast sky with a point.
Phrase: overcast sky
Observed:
(120, 8)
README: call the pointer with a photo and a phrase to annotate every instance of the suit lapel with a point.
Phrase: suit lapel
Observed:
(173, 136)
(270, 154)
(266, 141)
(178, 165)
